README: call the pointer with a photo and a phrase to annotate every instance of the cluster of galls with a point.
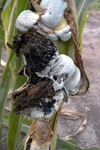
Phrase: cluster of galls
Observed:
(47, 72)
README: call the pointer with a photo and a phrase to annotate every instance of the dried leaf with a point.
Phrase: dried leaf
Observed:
(74, 113)
(70, 17)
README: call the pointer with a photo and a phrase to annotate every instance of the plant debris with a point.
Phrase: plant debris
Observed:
(72, 114)
(70, 17)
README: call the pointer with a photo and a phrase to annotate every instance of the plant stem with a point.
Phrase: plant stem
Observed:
(44, 132)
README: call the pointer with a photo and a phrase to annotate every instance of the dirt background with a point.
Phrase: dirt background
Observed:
(90, 136)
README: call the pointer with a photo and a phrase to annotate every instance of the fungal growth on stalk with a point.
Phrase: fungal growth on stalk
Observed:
(46, 19)
(47, 72)
(51, 76)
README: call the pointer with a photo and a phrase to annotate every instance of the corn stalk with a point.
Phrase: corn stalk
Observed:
(11, 9)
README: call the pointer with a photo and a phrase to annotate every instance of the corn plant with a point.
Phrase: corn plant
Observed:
(10, 9)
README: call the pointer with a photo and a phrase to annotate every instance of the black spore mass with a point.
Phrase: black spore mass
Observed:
(37, 49)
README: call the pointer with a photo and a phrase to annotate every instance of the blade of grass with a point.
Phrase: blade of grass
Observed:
(2, 34)
(94, 148)
(82, 5)
(20, 146)
(15, 121)
(26, 123)
(67, 145)
(1, 46)
(81, 28)
(4, 89)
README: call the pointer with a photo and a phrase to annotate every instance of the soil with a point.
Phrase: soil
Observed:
(90, 136)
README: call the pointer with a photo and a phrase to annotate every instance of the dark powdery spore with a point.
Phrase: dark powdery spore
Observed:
(28, 144)
(47, 106)
(37, 49)
(31, 95)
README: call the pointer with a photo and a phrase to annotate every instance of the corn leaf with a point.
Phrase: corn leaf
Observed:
(20, 146)
(22, 5)
(81, 6)
(15, 121)
(71, 145)
(5, 84)
(6, 13)
(6, 120)
(67, 145)
(1, 34)
(2, 2)
(26, 123)
(54, 139)
(1, 46)
(68, 47)
(9, 14)
(4, 89)
(94, 148)
(81, 28)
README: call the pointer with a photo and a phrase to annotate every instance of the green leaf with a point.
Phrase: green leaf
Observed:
(15, 65)
(71, 145)
(13, 8)
(67, 145)
(26, 123)
(9, 14)
(6, 116)
(94, 148)
(1, 46)
(67, 48)
(2, 2)
(73, 142)
(5, 84)
(9, 18)
(81, 6)
(81, 27)
(21, 5)
(6, 13)
(8, 62)
(20, 146)
(15, 121)
(2, 34)
(4, 89)
(6, 120)
(54, 140)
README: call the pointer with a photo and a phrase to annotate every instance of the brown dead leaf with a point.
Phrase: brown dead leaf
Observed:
(70, 16)
(71, 113)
